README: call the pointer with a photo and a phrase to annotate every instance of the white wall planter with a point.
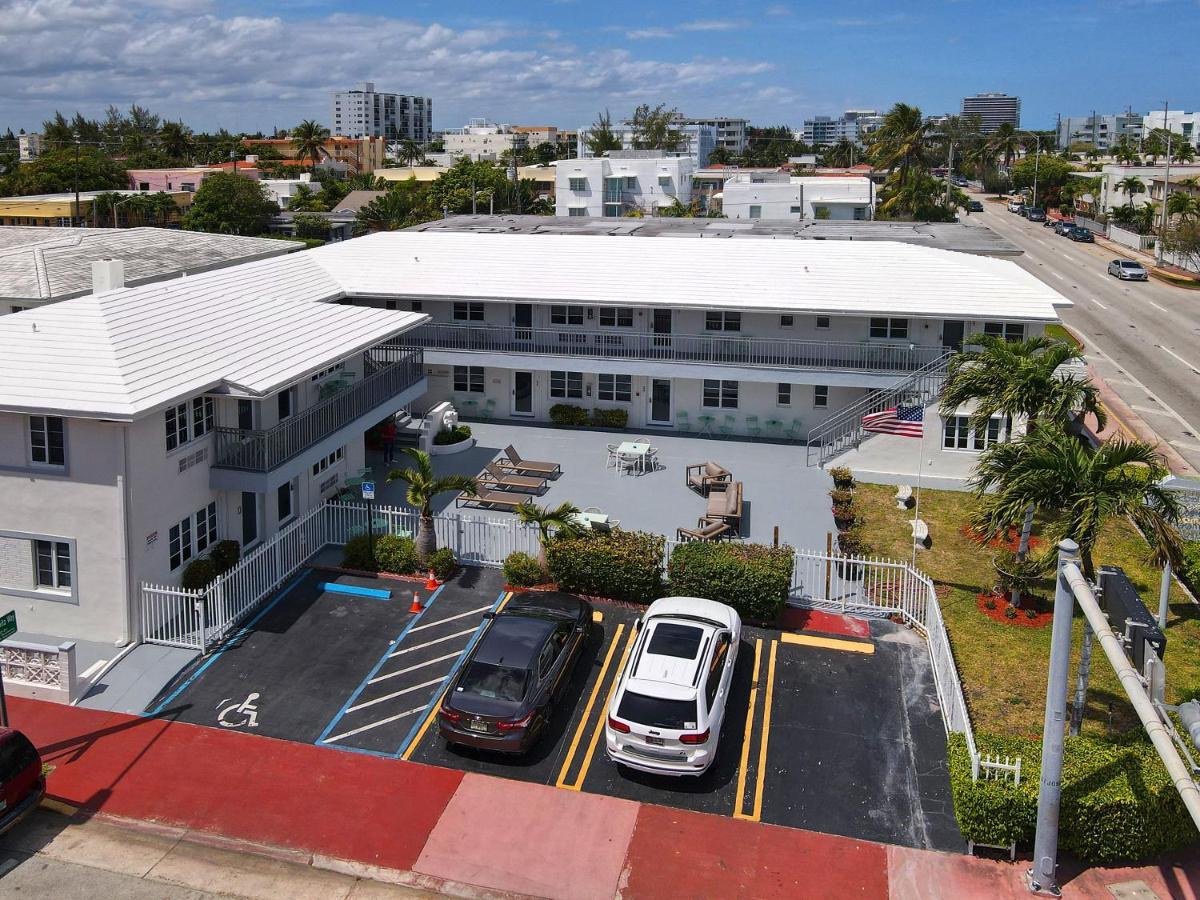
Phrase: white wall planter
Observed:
(450, 449)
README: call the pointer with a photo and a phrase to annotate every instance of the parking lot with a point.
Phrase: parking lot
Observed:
(833, 730)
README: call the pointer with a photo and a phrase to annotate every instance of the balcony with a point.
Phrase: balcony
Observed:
(391, 370)
(702, 349)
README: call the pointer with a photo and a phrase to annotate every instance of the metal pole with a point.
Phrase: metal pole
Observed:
(1164, 595)
(370, 533)
(1037, 151)
(75, 214)
(1162, 232)
(1081, 681)
(3, 703)
(1045, 843)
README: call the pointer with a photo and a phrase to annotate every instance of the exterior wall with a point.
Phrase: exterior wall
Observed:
(1111, 195)
(646, 195)
(168, 179)
(281, 190)
(1182, 123)
(365, 112)
(798, 198)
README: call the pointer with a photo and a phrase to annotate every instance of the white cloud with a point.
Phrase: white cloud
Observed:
(712, 25)
(643, 34)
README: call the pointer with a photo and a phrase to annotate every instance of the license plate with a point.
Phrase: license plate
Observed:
(478, 726)
(656, 742)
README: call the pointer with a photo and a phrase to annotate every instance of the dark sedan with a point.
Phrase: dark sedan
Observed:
(974, 206)
(1084, 235)
(504, 696)
(1036, 214)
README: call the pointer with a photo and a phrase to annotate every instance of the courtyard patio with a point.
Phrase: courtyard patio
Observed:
(778, 489)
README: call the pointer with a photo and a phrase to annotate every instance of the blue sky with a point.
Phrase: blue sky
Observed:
(258, 65)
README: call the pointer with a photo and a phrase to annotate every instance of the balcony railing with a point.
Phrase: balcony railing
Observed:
(684, 348)
(391, 369)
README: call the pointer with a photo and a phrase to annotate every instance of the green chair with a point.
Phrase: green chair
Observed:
(683, 423)
(752, 427)
(489, 408)
(729, 426)
(796, 432)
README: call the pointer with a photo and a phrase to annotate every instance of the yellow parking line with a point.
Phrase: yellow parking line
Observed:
(602, 718)
(587, 711)
(741, 786)
(828, 643)
(766, 733)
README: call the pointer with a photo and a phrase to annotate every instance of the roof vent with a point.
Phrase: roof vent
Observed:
(107, 275)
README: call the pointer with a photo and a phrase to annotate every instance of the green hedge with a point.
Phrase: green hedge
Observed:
(452, 435)
(1189, 572)
(567, 414)
(357, 555)
(752, 578)
(1118, 803)
(395, 554)
(198, 574)
(621, 565)
(610, 418)
(443, 563)
(523, 570)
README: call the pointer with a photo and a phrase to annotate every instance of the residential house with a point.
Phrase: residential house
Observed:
(782, 196)
(625, 181)
(67, 209)
(352, 155)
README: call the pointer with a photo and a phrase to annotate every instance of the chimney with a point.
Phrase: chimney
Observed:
(107, 275)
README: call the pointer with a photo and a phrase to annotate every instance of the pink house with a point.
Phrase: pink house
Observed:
(181, 179)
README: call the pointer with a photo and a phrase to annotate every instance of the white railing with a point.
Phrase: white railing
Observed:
(172, 616)
(41, 671)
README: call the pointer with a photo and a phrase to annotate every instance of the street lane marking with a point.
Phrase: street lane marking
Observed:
(587, 710)
(766, 733)
(741, 786)
(393, 695)
(602, 720)
(440, 640)
(1178, 357)
(405, 671)
(470, 612)
(370, 725)
(809, 640)
(1183, 445)
(1156, 306)
(1098, 303)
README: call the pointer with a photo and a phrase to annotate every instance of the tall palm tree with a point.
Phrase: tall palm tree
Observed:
(1132, 187)
(410, 152)
(900, 143)
(175, 138)
(308, 140)
(1182, 151)
(1005, 143)
(1183, 205)
(557, 520)
(390, 211)
(423, 486)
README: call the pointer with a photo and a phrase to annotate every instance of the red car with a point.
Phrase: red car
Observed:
(22, 784)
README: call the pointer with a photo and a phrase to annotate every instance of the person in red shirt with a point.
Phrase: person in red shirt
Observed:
(387, 437)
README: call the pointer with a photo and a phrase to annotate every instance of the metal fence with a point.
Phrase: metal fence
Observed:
(1092, 225)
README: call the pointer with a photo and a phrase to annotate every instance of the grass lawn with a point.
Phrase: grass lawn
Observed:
(1003, 666)
(1060, 332)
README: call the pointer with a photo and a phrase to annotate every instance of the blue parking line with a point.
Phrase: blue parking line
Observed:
(354, 590)
(229, 642)
(378, 665)
(445, 681)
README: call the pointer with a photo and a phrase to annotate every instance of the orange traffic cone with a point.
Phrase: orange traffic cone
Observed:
(431, 583)
(416, 604)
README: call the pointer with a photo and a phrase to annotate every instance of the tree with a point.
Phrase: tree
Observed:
(1182, 240)
(452, 189)
(423, 486)
(842, 154)
(900, 144)
(230, 204)
(310, 226)
(409, 152)
(557, 521)
(1005, 143)
(1131, 186)
(175, 139)
(55, 170)
(720, 156)
(1182, 151)
(1052, 173)
(1185, 206)
(308, 140)
(922, 198)
(656, 129)
(600, 137)
(104, 205)
(400, 207)
(305, 199)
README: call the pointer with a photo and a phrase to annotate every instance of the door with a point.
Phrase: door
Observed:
(245, 413)
(249, 518)
(523, 322)
(660, 401)
(522, 403)
(662, 328)
(952, 334)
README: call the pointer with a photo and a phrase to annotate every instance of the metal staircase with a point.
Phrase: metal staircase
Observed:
(844, 429)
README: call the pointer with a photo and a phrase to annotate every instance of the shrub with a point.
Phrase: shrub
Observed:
(452, 435)
(841, 497)
(442, 562)
(523, 570)
(1189, 572)
(395, 554)
(853, 541)
(357, 554)
(842, 477)
(610, 418)
(752, 578)
(225, 555)
(1118, 802)
(566, 414)
(622, 565)
(199, 574)
(1021, 575)
(1010, 612)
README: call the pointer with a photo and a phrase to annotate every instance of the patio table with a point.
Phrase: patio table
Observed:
(706, 423)
(634, 448)
(586, 519)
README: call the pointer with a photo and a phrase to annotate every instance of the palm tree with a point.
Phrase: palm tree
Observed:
(366, 181)
(423, 486)
(1180, 204)
(105, 205)
(560, 519)
(1005, 143)
(305, 199)
(410, 152)
(175, 138)
(390, 211)
(308, 140)
(1182, 151)
(900, 143)
(1132, 187)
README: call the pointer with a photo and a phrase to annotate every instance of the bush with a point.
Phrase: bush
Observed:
(841, 497)
(452, 435)
(622, 565)
(395, 554)
(752, 578)
(523, 570)
(442, 562)
(610, 418)
(844, 517)
(357, 554)
(853, 541)
(842, 477)
(1118, 802)
(225, 555)
(1021, 575)
(566, 414)
(198, 575)
(1189, 572)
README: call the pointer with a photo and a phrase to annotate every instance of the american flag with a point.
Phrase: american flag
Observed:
(906, 421)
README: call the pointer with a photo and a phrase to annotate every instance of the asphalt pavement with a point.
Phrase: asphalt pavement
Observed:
(1143, 338)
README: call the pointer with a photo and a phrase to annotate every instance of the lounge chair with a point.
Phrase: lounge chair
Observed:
(705, 530)
(704, 476)
(512, 461)
(492, 474)
(726, 504)
(488, 497)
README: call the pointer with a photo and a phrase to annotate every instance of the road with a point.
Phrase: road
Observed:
(1143, 338)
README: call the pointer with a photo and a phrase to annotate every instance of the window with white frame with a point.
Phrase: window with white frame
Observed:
(577, 211)
(783, 394)
(192, 535)
(883, 327)
(326, 461)
(822, 322)
(46, 441)
(566, 384)
(469, 379)
(755, 212)
(1010, 331)
(796, 210)
(577, 184)
(622, 318)
(468, 312)
(631, 182)
(720, 394)
(716, 320)
(186, 422)
(206, 527)
(52, 565)
(180, 544)
(616, 388)
(956, 433)
(566, 315)
(820, 396)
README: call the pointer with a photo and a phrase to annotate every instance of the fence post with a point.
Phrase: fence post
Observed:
(202, 618)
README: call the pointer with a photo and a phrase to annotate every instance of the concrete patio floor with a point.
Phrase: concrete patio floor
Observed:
(778, 488)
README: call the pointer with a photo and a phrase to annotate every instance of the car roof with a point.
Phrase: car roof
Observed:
(699, 607)
(552, 603)
(513, 640)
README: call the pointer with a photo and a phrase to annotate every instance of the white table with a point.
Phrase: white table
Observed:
(587, 519)
(634, 448)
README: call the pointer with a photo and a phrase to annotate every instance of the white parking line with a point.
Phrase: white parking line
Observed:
(394, 695)
(368, 727)
(1178, 357)
(413, 668)
(470, 612)
(434, 641)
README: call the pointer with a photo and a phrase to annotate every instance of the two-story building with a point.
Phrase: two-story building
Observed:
(750, 195)
(625, 181)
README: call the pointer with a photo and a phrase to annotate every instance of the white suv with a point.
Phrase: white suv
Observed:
(666, 714)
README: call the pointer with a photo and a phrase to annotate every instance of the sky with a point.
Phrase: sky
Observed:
(260, 65)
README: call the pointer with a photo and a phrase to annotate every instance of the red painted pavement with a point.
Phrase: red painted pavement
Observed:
(795, 619)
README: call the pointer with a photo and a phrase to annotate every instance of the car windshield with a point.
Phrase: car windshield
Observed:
(1130, 264)
(657, 712)
(674, 639)
(493, 682)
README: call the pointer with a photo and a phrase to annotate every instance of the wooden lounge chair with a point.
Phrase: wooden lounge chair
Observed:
(512, 461)
(704, 476)
(705, 530)
(487, 497)
(492, 474)
(726, 505)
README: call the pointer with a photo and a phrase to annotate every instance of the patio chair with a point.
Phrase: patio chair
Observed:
(512, 460)
(703, 477)
(683, 423)
(487, 497)
(628, 462)
(729, 426)
(795, 432)
(752, 427)
(612, 455)
(506, 481)
(652, 459)
(705, 530)
(488, 410)
(726, 505)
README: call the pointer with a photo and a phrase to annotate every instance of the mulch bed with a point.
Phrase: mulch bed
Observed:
(1009, 541)
(1042, 612)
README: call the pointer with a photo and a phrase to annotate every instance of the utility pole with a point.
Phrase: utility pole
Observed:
(949, 173)
(472, 196)
(1162, 231)
(75, 214)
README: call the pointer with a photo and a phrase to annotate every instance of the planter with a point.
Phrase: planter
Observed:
(849, 571)
(843, 518)
(450, 449)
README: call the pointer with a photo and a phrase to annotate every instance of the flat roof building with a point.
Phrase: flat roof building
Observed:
(993, 110)
(364, 112)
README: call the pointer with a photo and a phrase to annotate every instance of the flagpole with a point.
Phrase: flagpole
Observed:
(920, 472)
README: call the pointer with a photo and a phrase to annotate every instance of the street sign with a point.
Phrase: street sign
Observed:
(368, 489)
(8, 625)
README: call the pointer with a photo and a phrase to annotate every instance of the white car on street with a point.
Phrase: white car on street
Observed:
(1128, 270)
(666, 713)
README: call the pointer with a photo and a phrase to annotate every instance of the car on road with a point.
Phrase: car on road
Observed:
(1015, 204)
(1081, 234)
(504, 695)
(1062, 226)
(1128, 270)
(22, 784)
(974, 206)
(667, 710)
(1035, 214)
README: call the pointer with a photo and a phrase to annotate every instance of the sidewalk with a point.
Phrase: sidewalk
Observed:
(472, 835)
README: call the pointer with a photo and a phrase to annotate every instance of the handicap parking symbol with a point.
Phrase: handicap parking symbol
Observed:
(238, 715)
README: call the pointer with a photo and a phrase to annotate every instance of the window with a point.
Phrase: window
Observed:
(630, 183)
(822, 322)
(755, 212)
(324, 373)
(617, 317)
(720, 394)
(722, 321)
(787, 321)
(326, 461)
(716, 669)
(283, 499)
(46, 445)
(882, 327)
(566, 315)
(990, 435)
(189, 186)
(1010, 331)
(206, 527)
(188, 421)
(860, 213)
(566, 384)
(284, 400)
(955, 432)
(820, 396)
(617, 388)
(783, 394)
(578, 184)
(416, 305)
(469, 379)
(143, 185)
(53, 564)
(181, 543)
(576, 210)
(796, 210)
(468, 312)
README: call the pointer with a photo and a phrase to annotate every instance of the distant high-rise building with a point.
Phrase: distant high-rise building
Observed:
(731, 133)
(993, 110)
(853, 125)
(364, 112)
(1100, 131)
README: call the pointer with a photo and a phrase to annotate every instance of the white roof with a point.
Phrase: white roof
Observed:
(836, 277)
